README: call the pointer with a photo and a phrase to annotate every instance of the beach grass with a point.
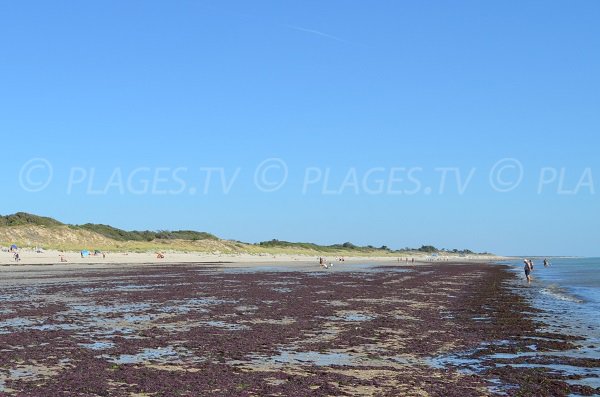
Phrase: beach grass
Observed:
(33, 231)
(66, 238)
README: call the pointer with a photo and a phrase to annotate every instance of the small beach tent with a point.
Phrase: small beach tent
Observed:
(14, 247)
(85, 253)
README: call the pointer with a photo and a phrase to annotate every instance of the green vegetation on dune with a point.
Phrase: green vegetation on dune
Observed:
(430, 249)
(112, 232)
(122, 235)
(23, 218)
(32, 230)
(351, 249)
(321, 248)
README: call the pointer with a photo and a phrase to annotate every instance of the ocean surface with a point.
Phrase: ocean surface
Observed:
(568, 293)
(569, 289)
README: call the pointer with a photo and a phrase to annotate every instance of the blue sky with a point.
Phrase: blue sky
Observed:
(142, 89)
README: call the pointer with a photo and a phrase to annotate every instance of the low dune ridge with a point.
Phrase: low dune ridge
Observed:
(67, 238)
(35, 233)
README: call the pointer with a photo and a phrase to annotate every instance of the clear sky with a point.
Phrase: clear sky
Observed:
(112, 111)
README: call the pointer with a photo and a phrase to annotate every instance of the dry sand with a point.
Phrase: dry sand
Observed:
(33, 259)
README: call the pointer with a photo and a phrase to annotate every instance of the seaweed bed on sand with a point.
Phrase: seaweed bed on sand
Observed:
(428, 330)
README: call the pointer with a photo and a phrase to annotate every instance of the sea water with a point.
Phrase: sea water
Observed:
(568, 291)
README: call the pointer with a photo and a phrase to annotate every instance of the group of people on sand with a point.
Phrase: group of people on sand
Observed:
(15, 253)
(529, 268)
(323, 262)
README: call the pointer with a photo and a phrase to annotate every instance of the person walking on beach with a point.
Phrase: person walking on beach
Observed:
(322, 262)
(546, 263)
(528, 268)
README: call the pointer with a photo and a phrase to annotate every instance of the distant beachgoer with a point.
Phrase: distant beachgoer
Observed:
(527, 269)
(546, 263)
(413, 260)
(104, 255)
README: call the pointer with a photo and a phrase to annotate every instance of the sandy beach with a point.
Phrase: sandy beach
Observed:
(74, 259)
(361, 328)
(300, 199)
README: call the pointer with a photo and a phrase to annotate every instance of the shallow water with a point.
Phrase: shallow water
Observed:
(312, 358)
(568, 295)
(350, 316)
(161, 355)
(309, 269)
(98, 345)
(569, 289)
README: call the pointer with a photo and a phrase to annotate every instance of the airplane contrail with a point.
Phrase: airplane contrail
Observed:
(316, 32)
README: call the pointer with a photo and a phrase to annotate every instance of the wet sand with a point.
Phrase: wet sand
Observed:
(209, 329)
